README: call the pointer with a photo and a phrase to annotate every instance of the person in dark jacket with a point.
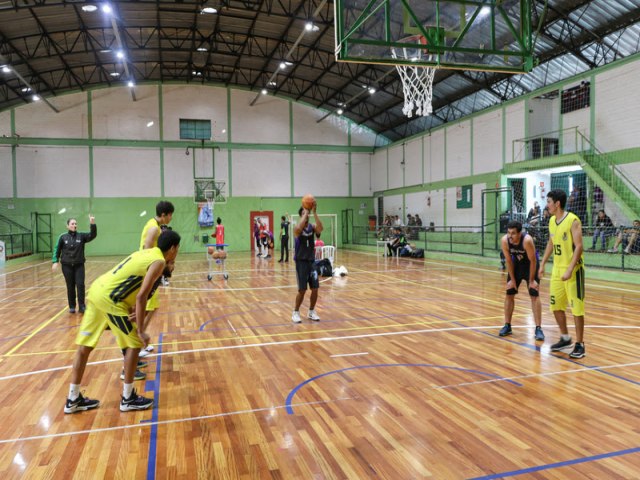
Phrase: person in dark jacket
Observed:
(69, 252)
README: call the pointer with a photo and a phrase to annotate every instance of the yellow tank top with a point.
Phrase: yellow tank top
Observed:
(563, 246)
(150, 224)
(116, 290)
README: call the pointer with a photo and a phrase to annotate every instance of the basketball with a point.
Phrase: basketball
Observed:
(216, 254)
(307, 201)
(210, 250)
(222, 254)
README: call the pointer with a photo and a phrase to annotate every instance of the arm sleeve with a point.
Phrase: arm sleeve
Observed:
(87, 237)
(55, 258)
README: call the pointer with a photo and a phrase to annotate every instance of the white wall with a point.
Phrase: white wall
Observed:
(361, 175)
(267, 121)
(514, 118)
(435, 211)
(331, 170)
(379, 170)
(487, 142)
(54, 172)
(393, 206)
(116, 116)
(5, 123)
(37, 119)
(464, 217)
(197, 103)
(459, 149)
(416, 203)
(396, 168)
(436, 157)
(617, 116)
(333, 130)
(6, 167)
(413, 162)
(125, 172)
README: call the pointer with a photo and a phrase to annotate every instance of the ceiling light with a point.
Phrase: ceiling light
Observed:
(114, 74)
(484, 11)
(340, 111)
(288, 64)
(105, 50)
(26, 89)
(89, 8)
(6, 68)
(340, 104)
(120, 54)
(208, 10)
(150, 124)
(372, 90)
(130, 84)
(106, 8)
(224, 130)
(308, 26)
(272, 83)
(283, 65)
(201, 49)
(315, 28)
(263, 91)
(35, 98)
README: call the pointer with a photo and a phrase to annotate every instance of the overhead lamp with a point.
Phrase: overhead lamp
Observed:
(130, 84)
(484, 11)
(264, 91)
(288, 64)
(89, 8)
(35, 98)
(340, 111)
(283, 65)
(209, 10)
(6, 69)
(106, 8)
(25, 89)
(201, 49)
(372, 90)
(114, 74)
(120, 54)
(308, 26)
(272, 83)
(105, 50)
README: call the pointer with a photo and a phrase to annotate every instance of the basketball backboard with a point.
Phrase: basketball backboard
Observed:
(489, 35)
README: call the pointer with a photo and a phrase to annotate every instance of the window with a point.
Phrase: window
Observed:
(195, 129)
(576, 98)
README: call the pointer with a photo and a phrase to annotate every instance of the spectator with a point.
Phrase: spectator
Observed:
(629, 239)
(534, 214)
(398, 241)
(604, 228)
(418, 221)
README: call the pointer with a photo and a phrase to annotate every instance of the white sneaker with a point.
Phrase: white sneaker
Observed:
(313, 316)
(146, 351)
(295, 317)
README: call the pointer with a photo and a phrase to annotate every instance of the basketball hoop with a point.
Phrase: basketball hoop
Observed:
(417, 81)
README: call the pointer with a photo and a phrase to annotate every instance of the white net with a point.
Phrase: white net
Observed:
(417, 80)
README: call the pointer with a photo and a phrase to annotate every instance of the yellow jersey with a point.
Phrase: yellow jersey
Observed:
(150, 224)
(562, 238)
(115, 291)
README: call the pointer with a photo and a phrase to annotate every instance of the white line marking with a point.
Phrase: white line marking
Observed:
(166, 422)
(349, 354)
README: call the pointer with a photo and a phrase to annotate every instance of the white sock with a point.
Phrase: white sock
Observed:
(74, 391)
(127, 390)
(565, 336)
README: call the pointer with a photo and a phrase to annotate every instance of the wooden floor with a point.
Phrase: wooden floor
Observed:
(405, 377)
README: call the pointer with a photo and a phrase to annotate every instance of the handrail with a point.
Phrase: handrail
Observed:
(14, 224)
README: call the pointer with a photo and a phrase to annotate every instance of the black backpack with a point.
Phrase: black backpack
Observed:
(418, 253)
(323, 267)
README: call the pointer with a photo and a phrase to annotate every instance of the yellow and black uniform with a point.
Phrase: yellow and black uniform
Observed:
(153, 302)
(112, 296)
(571, 291)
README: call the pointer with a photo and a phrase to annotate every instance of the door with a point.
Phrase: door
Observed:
(347, 224)
(263, 216)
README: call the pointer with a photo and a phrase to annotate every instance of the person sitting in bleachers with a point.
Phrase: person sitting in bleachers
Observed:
(398, 241)
(603, 229)
(629, 239)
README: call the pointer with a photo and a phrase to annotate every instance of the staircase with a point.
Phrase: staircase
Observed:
(18, 239)
(611, 179)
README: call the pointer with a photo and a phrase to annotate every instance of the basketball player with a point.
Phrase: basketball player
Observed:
(567, 277)
(111, 297)
(522, 264)
(304, 256)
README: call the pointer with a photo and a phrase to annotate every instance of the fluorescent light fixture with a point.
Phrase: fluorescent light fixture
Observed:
(120, 54)
(106, 8)
(315, 28)
(105, 50)
(25, 89)
(35, 98)
(89, 8)
(263, 91)
(288, 64)
(62, 210)
(308, 26)
(6, 68)
(272, 83)
(484, 11)
(340, 111)
(150, 124)
(372, 90)
(130, 84)
(283, 65)
(201, 49)
(208, 10)
(114, 74)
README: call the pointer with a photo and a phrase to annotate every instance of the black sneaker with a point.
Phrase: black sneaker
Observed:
(561, 345)
(82, 309)
(80, 404)
(539, 334)
(135, 402)
(136, 376)
(142, 363)
(578, 351)
(506, 330)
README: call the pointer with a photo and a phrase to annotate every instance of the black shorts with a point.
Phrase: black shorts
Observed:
(306, 275)
(522, 273)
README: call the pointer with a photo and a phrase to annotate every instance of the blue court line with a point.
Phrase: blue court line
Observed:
(153, 436)
(300, 385)
(565, 463)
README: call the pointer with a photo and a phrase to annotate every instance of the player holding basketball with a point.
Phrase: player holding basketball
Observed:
(111, 297)
(522, 264)
(567, 277)
(304, 256)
